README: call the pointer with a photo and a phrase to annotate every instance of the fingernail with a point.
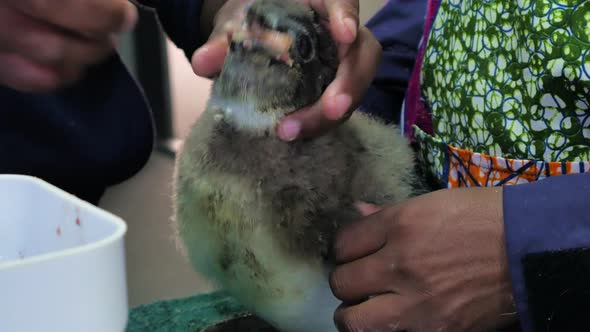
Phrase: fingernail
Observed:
(199, 58)
(367, 209)
(131, 17)
(289, 130)
(343, 102)
(350, 26)
(199, 52)
(340, 105)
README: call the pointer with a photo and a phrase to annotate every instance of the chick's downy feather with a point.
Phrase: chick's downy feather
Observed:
(257, 215)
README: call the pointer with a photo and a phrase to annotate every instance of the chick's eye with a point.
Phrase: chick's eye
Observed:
(304, 48)
(261, 21)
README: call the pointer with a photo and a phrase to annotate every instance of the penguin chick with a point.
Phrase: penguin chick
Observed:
(257, 215)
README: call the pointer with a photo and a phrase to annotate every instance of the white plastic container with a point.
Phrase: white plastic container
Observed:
(62, 263)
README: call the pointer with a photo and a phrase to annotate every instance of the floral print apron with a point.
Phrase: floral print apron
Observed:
(499, 91)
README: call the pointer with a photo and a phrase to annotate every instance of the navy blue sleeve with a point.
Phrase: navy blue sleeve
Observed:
(83, 138)
(398, 27)
(180, 19)
(547, 230)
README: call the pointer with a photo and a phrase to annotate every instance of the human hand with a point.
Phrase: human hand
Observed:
(359, 53)
(433, 263)
(45, 45)
(354, 76)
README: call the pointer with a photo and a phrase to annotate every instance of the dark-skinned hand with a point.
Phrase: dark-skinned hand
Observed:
(431, 264)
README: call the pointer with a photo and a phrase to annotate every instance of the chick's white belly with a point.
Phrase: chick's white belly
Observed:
(291, 293)
(310, 309)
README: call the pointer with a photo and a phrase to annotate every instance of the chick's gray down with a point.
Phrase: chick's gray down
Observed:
(256, 214)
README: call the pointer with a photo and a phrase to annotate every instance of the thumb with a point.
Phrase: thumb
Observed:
(208, 60)
(315, 120)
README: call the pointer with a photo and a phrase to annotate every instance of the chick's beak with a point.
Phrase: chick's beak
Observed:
(276, 43)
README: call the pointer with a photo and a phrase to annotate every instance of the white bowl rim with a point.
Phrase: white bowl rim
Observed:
(120, 231)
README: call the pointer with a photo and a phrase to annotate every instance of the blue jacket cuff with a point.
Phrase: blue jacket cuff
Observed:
(547, 230)
(180, 19)
(398, 27)
(384, 104)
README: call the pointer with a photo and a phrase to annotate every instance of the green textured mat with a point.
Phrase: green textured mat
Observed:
(213, 312)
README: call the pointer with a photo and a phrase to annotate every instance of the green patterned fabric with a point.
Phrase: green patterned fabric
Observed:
(510, 78)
